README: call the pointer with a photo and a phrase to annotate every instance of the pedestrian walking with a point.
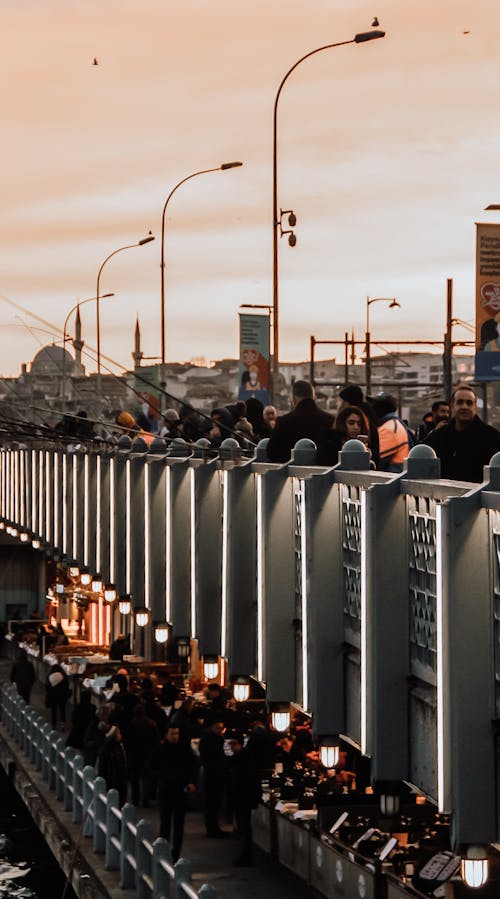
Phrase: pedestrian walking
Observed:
(214, 775)
(57, 693)
(245, 792)
(176, 768)
(22, 674)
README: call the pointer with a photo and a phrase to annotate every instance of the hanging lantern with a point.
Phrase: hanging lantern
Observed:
(110, 593)
(475, 867)
(142, 617)
(183, 647)
(161, 631)
(210, 667)
(329, 752)
(85, 577)
(280, 717)
(96, 583)
(125, 604)
(241, 689)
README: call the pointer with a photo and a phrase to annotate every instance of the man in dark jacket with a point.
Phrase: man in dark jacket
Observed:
(245, 792)
(466, 444)
(305, 420)
(23, 675)
(176, 767)
(214, 774)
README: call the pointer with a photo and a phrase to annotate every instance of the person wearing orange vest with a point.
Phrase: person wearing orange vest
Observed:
(392, 434)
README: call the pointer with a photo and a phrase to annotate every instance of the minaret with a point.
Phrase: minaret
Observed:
(78, 342)
(137, 354)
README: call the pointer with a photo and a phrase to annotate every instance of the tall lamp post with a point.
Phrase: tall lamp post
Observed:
(219, 168)
(139, 243)
(393, 304)
(65, 333)
(277, 219)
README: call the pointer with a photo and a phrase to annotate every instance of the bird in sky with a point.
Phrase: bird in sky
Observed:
(95, 61)
(375, 22)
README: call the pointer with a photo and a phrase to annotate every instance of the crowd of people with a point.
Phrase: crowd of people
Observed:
(463, 442)
(158, 746)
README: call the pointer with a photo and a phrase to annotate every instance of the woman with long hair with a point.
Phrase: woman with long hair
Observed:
(352, 424)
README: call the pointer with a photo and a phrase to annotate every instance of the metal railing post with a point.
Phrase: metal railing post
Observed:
(127, 854)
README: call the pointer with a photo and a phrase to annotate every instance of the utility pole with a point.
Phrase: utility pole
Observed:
(448, 343)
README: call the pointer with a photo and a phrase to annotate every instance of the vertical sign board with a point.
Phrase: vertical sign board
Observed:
(254, 366)
(487, 366)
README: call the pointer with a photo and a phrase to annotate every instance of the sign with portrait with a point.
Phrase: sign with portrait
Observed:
(487, 362)
(254, 364)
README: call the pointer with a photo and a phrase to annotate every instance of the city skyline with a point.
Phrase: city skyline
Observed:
(387, 154)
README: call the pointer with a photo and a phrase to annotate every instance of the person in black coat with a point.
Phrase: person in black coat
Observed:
(22, 674)
(214, 775)
(466, 444)
(245, 792)
(83, 713)
(112, 761)
(305, 420)
(175, 764)
(57, 693)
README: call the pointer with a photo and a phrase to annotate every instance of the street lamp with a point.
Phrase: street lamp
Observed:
(65, 335)
(277, 219)
(393, 304)
(219, 168)
(139, 243)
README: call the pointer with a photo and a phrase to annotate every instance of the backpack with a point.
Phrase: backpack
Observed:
(412, 437)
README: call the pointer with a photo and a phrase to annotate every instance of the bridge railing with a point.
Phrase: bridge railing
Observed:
(127, 845)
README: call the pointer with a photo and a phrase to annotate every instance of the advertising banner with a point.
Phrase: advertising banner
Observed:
(254, 365)
(487, 367)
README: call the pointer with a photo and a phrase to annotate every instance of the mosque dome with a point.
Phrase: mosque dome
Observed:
(51, 359)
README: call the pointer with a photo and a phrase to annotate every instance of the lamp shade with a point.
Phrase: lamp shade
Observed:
(96, 583)
(389, 804)
(241, 690)
(210, 667)
(110, 593)
(161, 632)
(24, 537)
(183, 647)
(329, 752)
(85, 577)
(124, 604)
(142, 617)
(73, 569)
(475, 867)
(280, 717)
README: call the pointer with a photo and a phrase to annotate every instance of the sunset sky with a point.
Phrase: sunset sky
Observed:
(388, 152)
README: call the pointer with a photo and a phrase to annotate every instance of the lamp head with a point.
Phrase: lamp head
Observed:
(147, 239)
(230, 165)
(368, 36)
(394, 304)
